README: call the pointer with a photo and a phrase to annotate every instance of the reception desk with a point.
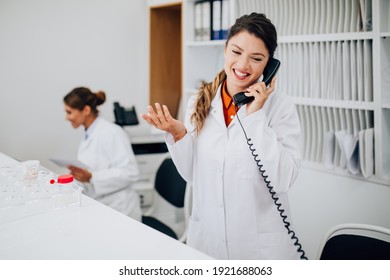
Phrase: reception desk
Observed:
(89, 230)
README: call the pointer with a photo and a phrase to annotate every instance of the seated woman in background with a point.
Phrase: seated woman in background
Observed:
(106, 150)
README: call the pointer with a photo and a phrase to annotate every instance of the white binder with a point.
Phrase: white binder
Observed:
(216, 32)
(206, 20)
(225, 19)
(198, 32)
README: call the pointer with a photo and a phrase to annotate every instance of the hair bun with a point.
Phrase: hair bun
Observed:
(101, 97)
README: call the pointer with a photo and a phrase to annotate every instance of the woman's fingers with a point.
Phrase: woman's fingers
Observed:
(151, 117)
(147, 118)
(167, 121)
(261, 89)
(261, 93)
(271, 87)
(167, 114)
(258, 89)
(154, 117)
(159, 117)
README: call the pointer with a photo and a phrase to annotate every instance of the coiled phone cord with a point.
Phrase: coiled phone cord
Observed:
(273, 193)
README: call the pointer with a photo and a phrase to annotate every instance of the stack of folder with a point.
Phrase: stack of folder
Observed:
(211, 19)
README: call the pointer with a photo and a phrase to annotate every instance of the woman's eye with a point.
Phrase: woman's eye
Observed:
(235, 52)
(256, 59)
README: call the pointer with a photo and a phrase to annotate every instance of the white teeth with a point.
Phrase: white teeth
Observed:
(240, 73)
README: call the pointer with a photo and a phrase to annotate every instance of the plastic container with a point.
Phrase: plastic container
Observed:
(23, 196)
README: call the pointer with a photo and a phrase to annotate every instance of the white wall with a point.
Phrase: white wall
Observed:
(49, 47)
(322, 200)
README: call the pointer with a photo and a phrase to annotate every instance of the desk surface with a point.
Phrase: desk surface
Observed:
(90, 231)
(144, 133)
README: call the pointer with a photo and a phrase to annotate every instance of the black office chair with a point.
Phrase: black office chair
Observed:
(355, 242)
(171, 187)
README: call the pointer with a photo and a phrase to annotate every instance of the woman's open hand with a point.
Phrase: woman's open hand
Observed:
(162, 119)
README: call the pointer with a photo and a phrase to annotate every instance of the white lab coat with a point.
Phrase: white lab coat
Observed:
(108, 154)
(233, 215)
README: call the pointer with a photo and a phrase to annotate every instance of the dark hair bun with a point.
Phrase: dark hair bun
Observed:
(100, 97)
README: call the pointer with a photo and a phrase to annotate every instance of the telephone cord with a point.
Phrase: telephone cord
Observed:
(273, 193)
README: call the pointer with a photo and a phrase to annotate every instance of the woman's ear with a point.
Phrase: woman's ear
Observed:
(87, 110)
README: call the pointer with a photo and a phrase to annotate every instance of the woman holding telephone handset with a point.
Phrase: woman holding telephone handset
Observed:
(233, 215)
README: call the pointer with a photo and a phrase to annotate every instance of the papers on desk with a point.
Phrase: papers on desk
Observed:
(67, 162)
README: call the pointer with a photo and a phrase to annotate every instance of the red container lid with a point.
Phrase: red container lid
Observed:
(64, 179)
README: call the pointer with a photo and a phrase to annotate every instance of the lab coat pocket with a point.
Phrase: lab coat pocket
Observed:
(276, 246)
(195, 236)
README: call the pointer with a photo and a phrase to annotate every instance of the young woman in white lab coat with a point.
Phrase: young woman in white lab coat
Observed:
(106, 150)
(233, 215)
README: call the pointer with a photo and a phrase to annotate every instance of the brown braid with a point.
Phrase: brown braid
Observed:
(206, 93)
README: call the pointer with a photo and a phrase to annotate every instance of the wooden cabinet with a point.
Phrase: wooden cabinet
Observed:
(165, 64)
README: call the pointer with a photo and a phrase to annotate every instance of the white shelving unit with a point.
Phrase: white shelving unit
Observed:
(335, 58)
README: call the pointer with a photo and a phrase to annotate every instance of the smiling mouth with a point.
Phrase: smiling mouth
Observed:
(240, 74)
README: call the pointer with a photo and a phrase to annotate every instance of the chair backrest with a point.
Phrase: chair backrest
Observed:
(356, 242)
(169, 184)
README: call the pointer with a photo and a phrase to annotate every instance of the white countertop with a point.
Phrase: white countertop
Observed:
(89, 231)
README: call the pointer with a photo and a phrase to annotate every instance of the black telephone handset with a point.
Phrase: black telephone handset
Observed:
(269, 72)
(119, 114)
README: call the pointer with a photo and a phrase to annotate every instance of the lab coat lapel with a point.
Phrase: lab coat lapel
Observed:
(92, 134)
(89, 141)
(241, 114)
(216, 108)
(86, 142)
